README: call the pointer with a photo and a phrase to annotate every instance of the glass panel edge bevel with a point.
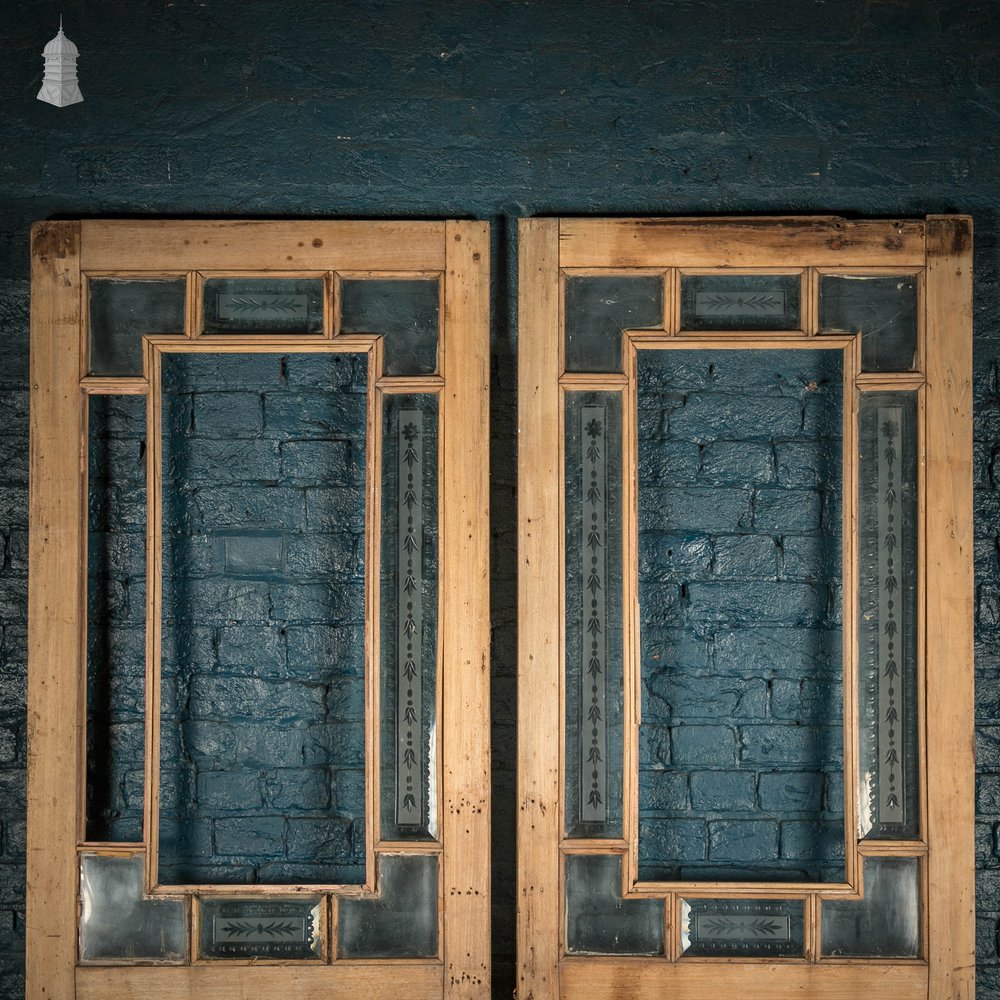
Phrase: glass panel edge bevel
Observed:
(153, 349)
(763, 340)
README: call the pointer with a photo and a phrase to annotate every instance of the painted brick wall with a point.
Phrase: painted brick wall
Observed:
(497, 110)
(739, 551)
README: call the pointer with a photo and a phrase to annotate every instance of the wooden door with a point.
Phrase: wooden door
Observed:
(258, 752)
(745, 608)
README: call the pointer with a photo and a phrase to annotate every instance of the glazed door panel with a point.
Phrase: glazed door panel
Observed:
(258, 758)
(745, 694)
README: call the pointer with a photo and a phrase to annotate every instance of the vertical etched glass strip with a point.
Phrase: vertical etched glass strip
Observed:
(593, 615)
(888, 627)
(408, 613)
(409, 582)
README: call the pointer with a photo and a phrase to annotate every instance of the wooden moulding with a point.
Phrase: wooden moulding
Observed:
(131, 245)
(56, 756)
(730, 243)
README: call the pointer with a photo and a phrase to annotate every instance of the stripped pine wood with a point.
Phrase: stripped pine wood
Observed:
(949, 610)
(729, 243)
(539, 613)
(130, 245)
(464, 623)
(56, 758)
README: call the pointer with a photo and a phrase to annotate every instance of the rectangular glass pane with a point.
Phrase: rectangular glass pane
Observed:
(739, 477)
(409, 616)
(406, 314)
(882, 309)
(742, 928)
(263, 703)
(265, 928)
(741, 301)
(887, 621)
(263, 305)
(886, 923)
(116, 617)
(121, 311)
(598, 920)
(118, 926)
(403, 921)
(598, 309)
(594, 681)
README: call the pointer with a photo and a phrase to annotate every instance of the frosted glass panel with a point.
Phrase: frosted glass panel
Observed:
(742, 928)
(263, 305)
(741, 301)
(598, 920)
(117, 925)
(265, 928)
(886, 923)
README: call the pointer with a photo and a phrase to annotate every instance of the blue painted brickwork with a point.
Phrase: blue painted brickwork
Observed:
(262, 713)
(498, 110)
(739, 464)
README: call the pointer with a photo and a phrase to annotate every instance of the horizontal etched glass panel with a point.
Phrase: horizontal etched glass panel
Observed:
(598, 920)
(268, 929)
(403, 921)
(116, 617)
(594, 685)
(406, 312)
(118, 926)
(741, 301)
(887, 624)
(886, 923)
(598, 309)
(409, 616)
(740, 745)
(263, 305)
(742, 928)
(262, 757)
(882, 309)
(121, 311)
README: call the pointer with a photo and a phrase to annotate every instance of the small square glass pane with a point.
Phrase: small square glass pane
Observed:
(598, 920)
(402, 922)
(406, 314)
(263, 305)
(118, 926)
(598, 309)
(886, 923)
(883, 309)
(122, 311)
(741, 301)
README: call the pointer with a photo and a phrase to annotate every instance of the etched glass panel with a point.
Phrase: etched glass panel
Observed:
(741, 301)
(598, 920)
(404, 311)
(118, 926)
(262, 726)
(886, 923)
(409, 616)
(740, 745)
(116, 617)
(742, 928)
(263, 305)
(403, 921)
(121, 311)
(882, 309)
(593, 615)
(887, 625)
(599, 309)
(265, 928)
